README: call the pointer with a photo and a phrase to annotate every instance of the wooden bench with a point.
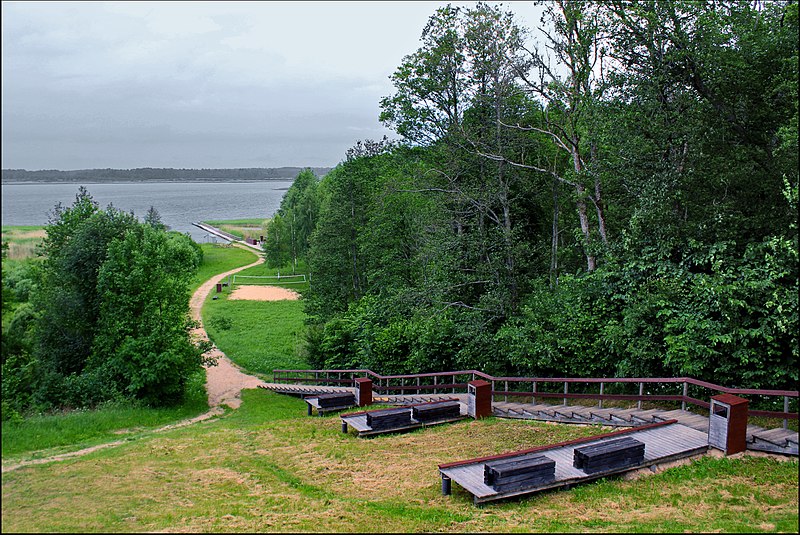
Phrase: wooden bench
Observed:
(389, 418)
(519, 473)
(343, 399)
(330, 402)
(609, 455)
(437, 410)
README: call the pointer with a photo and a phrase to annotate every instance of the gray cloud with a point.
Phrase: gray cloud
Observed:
(208, 84)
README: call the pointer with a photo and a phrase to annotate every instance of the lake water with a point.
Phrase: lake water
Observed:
(179, 203)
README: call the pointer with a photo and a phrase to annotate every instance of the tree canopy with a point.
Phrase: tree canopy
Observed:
(614, 194)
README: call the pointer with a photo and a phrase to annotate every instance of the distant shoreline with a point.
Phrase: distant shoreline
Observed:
(155, 175)
(142, 181)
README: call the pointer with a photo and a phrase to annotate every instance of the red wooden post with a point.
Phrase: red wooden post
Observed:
(727, 423)
(363, 391)
(479, 399)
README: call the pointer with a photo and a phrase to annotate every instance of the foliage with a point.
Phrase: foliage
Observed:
(617, 210)
(142, 341)
(104, 315)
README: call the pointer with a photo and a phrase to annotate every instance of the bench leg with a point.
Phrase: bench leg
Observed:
(344, 427)
(309, 409)
(446, 485)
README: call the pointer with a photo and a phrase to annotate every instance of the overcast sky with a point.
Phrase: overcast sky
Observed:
(200, 84)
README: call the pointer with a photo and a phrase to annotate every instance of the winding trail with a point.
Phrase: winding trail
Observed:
(224, 382)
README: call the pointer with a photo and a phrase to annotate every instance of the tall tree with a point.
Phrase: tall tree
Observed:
(142, 341)
(75, 248)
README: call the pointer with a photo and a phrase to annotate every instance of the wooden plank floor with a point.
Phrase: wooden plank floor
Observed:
(305, 390)
(411, 399)
(758, 438)
(662, 444)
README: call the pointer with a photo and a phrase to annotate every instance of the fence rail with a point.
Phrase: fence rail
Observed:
(686, 390)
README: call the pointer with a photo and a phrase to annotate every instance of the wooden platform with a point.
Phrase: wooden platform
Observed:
(358, 421)
(758, 439)
(305, 390)
(664, 442)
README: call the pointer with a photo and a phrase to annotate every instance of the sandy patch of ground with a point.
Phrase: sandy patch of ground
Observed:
(263, 293)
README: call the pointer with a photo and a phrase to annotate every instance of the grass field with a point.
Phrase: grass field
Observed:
(219, 258)
(268, 468)
(22, 241)
(259, 336)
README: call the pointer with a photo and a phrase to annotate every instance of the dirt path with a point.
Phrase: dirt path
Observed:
(224, 382)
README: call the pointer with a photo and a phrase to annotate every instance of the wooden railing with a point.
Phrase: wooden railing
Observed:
(686, 390)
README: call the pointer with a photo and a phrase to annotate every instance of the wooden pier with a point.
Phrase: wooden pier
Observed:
(663, 442)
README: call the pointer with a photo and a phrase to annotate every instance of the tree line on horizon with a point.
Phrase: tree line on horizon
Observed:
(155, 173)
(618, 199)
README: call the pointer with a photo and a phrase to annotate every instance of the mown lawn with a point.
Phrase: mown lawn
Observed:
(259, 336)
(219, 258)
(267, 467)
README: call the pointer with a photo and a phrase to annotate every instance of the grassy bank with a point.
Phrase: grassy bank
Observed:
(259, 336)
(219, 258)
(51, 434)
(267, 468)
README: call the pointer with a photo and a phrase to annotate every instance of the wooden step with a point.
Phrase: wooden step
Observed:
(601, 414)
(779, 437)
(625, 415)
(645, 415)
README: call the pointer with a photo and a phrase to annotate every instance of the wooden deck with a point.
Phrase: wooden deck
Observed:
(783, 441)
(358, 421)
(759, 439)
(305, 390)
(664, 442)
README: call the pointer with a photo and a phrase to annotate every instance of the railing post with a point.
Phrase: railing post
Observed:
(435, 382)
(418, 385)
(600, 401)
(453, 378)
(492, 390)
(685, 394)
(641, 391)
(566, 388)
(786, 409)
(505, 396)
(533, 397)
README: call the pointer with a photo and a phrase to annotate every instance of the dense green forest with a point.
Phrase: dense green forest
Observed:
(154, 174)
(102, 316)
(613, 194)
